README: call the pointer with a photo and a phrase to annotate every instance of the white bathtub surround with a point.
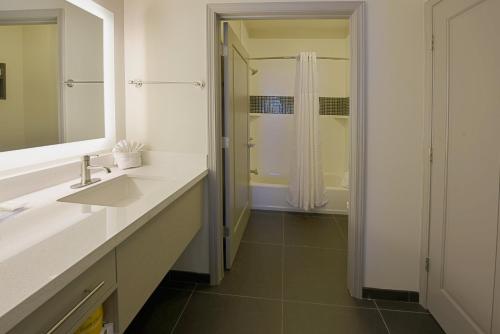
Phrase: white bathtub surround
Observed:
(270, 193)
(47, 246)
(306, 189)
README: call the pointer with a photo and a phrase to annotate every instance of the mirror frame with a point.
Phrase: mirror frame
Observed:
(24, 158)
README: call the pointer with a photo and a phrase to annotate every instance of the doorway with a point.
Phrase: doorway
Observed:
(354, 12)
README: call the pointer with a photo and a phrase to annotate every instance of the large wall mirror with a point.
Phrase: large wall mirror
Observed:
(56, 75)
(52, 64)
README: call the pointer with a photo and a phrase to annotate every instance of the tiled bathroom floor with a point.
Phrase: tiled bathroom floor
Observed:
(289, 277)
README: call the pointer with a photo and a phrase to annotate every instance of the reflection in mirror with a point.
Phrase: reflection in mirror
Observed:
(51, 75)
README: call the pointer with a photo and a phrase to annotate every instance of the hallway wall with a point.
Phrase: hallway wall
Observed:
(166, 39)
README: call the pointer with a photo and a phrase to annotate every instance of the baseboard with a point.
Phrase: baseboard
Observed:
(186, 276)
(291, 209)
(399, 295)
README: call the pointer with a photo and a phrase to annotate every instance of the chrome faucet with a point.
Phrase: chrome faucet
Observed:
(86, 177)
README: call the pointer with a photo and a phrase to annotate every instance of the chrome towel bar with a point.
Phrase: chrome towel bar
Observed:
(140, 83)
(71, 83)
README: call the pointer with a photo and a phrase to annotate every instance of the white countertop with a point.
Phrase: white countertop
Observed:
(47, 246)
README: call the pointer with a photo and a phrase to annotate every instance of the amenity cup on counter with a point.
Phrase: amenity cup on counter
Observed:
(125, 160)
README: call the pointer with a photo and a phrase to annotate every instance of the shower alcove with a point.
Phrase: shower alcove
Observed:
(271, 120)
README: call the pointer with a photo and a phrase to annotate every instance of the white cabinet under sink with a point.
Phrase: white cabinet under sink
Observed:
(70, 306)
(144, 259)
(127, 276)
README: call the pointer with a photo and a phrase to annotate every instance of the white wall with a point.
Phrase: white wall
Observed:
(166, 39)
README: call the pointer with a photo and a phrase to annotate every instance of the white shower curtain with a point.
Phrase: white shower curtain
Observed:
(306, 188)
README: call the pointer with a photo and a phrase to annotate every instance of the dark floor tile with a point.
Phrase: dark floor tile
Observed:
(411, 323)
(399, 306)
(265, 226)
(160, 313)
(256, 272)
(313, 230)
(177, 285)
(187, 276)
(318, 275)
(320, 319)
(210, 313)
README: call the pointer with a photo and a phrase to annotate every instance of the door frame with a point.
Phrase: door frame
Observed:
(427, 152)
(353, 10)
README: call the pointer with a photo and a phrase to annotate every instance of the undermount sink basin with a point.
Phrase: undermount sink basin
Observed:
(117, 192)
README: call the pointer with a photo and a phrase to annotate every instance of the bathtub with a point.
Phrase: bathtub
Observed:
(270, 193)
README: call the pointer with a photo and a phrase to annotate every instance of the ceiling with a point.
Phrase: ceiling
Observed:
(332, 28)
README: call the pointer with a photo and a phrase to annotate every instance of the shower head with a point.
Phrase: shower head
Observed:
(253, 71)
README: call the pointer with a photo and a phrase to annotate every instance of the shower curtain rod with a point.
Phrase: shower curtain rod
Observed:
(295, 57)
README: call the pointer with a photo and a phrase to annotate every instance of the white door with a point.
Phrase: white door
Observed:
(466, 166)
(236, 153)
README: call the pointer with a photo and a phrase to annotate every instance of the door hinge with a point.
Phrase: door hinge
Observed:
(432, 43)
(225, 142)
(227, 232)
(427, 264)
(431, 154)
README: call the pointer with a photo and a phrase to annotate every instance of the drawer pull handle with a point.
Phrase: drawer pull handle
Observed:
(75, 308)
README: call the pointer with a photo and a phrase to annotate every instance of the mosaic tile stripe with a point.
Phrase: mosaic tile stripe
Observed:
(271, 104)
(338, 106)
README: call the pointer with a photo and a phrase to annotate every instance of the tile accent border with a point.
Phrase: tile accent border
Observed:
(271, 104)
(387, 294)
(187, 276)
(338, 106)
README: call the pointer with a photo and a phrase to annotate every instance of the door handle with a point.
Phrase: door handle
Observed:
(254, 171)
(250, 145)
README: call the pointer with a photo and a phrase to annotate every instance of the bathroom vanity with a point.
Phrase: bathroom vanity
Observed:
(109, 244)
(65, 252)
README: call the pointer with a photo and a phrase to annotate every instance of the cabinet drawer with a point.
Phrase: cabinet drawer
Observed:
(70, 305)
